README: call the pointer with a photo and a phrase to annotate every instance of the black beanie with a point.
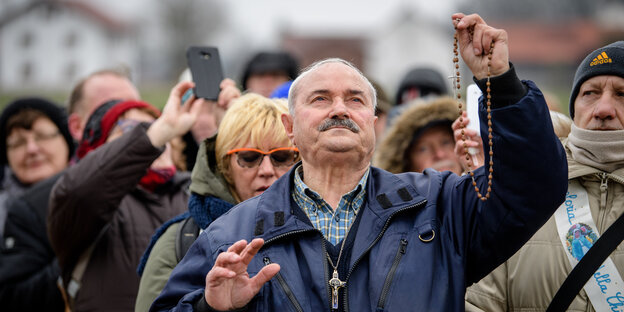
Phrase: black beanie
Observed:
(608, 60)
(271, 61)
(423, 78)
(56, 114)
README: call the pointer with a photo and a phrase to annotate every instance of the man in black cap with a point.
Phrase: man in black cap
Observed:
(418, 83)
(267, 71)
(595, 199)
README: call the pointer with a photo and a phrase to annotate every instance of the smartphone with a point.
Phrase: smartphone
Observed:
(205, 66)
(472, 107)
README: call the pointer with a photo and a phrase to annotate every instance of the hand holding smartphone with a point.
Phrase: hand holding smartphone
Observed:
(205, 66)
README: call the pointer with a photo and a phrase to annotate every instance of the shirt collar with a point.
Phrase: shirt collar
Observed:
(303, 190)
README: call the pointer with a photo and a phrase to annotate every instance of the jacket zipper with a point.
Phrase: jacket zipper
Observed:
(603, 198)
(346, 299)
(326, 270)
(285, 287)
(272, 239)
(603, 190)
(390, 277)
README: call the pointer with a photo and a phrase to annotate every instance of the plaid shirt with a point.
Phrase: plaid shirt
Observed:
(333, 224)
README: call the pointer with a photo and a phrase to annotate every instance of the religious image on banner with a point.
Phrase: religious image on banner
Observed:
(579, 239)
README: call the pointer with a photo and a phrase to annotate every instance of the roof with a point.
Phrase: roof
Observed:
(90, 12)
(553, 43)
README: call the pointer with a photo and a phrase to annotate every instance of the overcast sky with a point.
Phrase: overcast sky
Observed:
(344, 15)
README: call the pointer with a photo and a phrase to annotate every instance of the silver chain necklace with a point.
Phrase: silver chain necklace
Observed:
(335, 283)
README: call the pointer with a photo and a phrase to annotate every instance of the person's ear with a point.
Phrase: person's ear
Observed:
(287, 120)
(75, 127)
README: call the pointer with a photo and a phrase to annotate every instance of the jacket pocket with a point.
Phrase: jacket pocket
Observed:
(285, 287)
(388, 282)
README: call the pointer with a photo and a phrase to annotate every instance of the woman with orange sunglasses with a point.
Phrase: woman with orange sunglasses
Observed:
(249, 153)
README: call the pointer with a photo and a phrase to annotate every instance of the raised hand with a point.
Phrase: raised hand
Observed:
(228, 285)
(228, 92)
(473, 142)
(176, 118)
(475, 37)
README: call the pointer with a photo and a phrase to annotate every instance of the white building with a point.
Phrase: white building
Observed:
(49, 44)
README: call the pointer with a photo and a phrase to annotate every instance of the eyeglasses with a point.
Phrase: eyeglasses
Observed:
(21, 141)
(251, 157)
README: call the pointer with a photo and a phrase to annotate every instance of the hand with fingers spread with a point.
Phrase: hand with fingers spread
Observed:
(475, 37)
(228, 285)
(472, 140)
(177, 118)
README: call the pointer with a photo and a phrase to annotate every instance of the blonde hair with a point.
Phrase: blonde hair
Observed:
(561, 124)
(251, 118)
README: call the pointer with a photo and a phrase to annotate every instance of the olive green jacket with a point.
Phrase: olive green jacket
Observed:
(206, 180)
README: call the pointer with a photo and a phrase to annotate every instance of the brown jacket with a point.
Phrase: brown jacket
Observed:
(98, 194)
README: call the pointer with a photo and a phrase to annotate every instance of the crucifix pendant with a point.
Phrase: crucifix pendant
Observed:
(335, 283)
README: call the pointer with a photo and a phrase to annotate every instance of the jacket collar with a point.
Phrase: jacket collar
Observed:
(207, 180)
(386, 195)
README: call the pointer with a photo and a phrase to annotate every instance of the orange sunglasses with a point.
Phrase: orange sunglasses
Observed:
(252, 157)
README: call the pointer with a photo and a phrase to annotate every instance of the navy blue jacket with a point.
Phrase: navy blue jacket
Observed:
(421, 240)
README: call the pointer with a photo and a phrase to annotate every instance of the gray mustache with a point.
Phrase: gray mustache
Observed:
(331, 123)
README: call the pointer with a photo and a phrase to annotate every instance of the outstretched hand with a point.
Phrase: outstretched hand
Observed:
(177, 118)
(228, 285)
(474, 38)
(472, 142)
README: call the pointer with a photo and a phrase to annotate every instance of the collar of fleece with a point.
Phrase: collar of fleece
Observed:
(390, 152)
(102, 121)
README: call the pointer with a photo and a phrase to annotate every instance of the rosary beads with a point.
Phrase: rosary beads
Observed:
(457, 87)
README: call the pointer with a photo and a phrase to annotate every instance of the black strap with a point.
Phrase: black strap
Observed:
(187, 234)
(590, 262)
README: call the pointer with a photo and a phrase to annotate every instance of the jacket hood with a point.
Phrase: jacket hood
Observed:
(390, 153)
(206, 179)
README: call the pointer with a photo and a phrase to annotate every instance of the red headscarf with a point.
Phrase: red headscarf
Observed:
(102, 121)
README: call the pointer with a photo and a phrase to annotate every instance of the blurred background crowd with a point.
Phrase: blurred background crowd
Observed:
(106, 78)
(46, 46)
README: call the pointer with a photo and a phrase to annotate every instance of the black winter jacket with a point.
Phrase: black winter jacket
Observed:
(28, 266)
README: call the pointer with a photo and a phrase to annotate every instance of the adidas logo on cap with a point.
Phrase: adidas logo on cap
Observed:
(602, 58)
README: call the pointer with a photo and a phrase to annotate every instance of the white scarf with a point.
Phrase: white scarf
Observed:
(603, 150)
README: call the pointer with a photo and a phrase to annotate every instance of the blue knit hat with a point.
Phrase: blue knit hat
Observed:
(608, 60)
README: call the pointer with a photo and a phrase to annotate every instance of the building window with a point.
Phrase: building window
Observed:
(50, 11)
(70, 71)
(26, 40)
(26, 72)
(71, 40)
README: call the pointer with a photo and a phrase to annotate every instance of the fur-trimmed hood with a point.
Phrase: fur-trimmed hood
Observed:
(390, 153)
